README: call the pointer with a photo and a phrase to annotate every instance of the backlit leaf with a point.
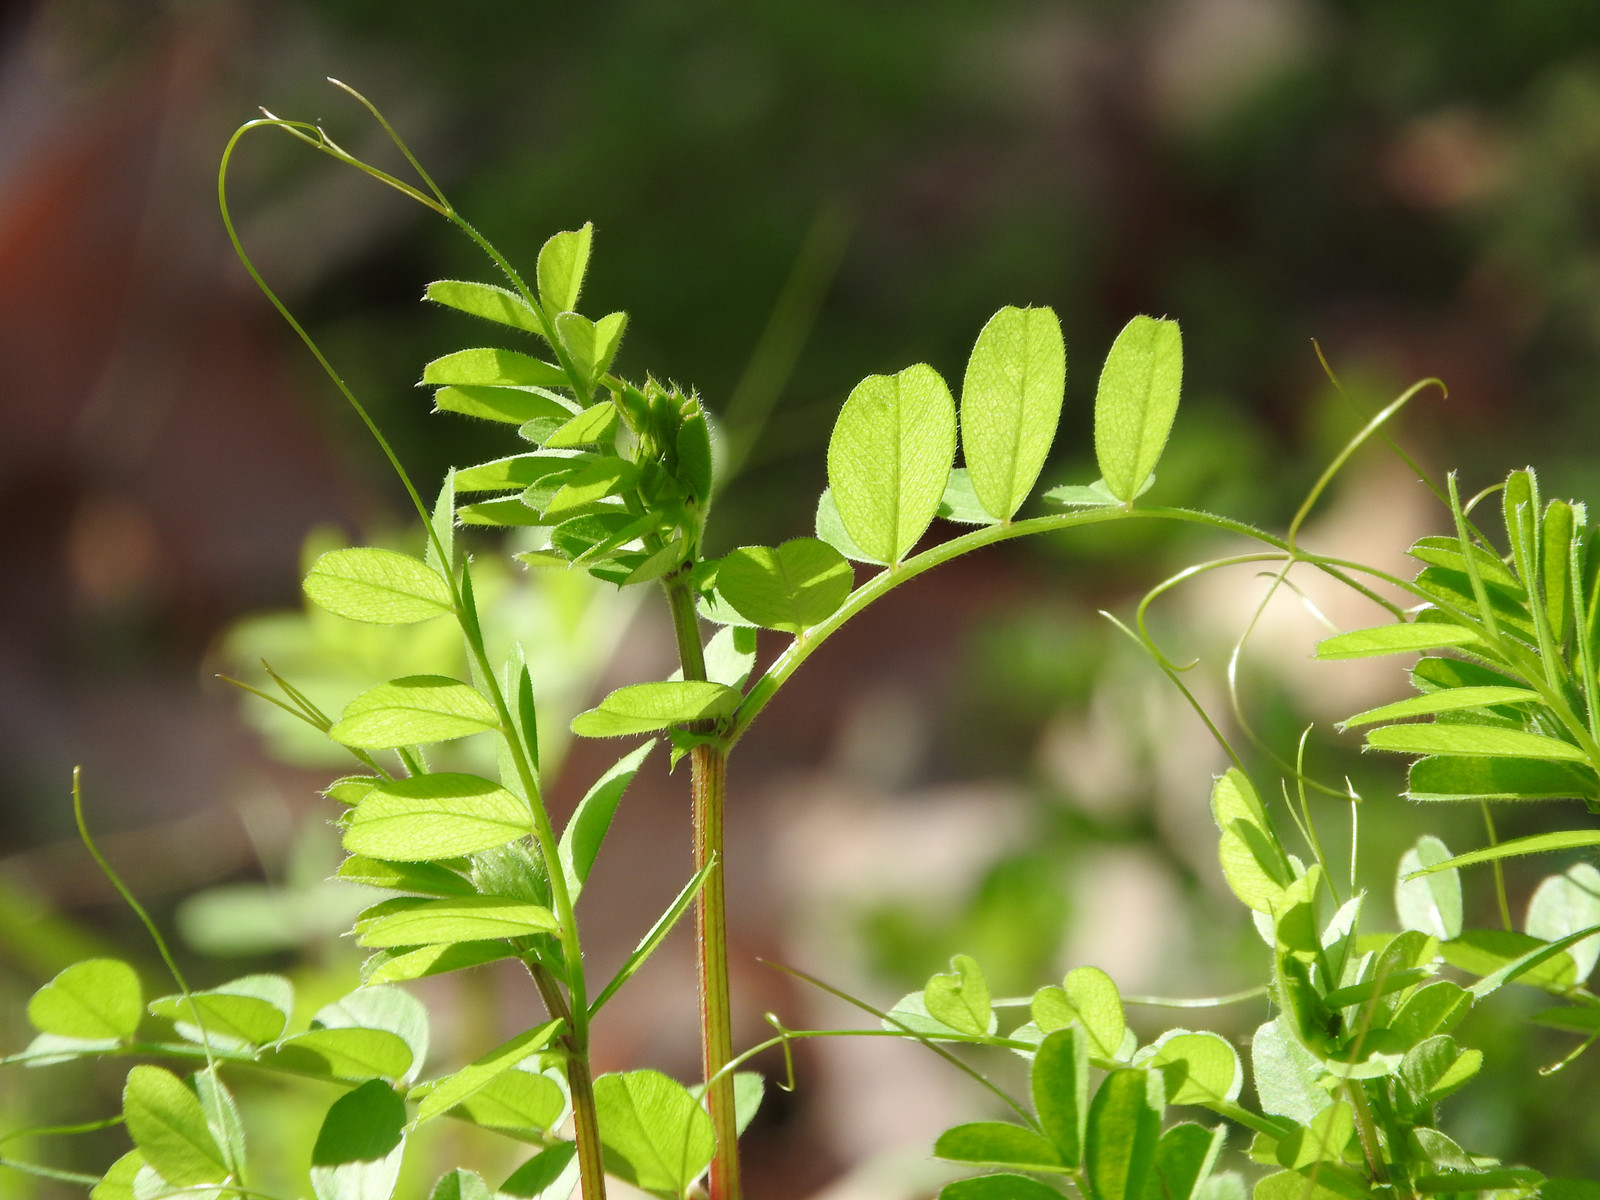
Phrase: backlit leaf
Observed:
(646, 707)
(511, 406)
(1199, 1068)
(346, 1054)
(518, 471)
(377, 586)
(1432, 903)
(657, 1137)
(1448, 700)
(1462, 778)
(454, 1089)
(961, 998)
(1475, 740)
(789, 587)
(961, 504)
(1136, 403)
(995, 1143)
(1564, 904)
(424, 879)
(549, 1175)
(96, 998)
(1124, 1129)
(1253, 861)
(998, 1187)
(440, 815)
(516, 1100)
(473, 918)
(413, 711)
(889, 457)
(436, 960)
(387, 1009)
(1010, 403)
(1059, 1082)
(1393, 639)
(169, 1127)
(563, 260)
(830, 529)
(490, 367)
(250, 1011)
(495, 304)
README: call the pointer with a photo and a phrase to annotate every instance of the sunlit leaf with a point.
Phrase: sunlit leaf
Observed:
(1486, 741)
(96, 998)
(1393, 639)
(250, 1011)
(490, 367)
(484, 300)
(961, 998)
(1124, 1129)
(1059, 1082)
(435, 960)
(377, 586)
(1199, 1068)
(1479, 778)
(997, 1144)
(789, 587)
(646, 707)
(413, 711)
(473, 918)
(425, 879)
(167, 1124)
(657, 1137)
(439, 815)
(1136, 403)
(563, 260)
(1443, 701)
(1010, 403)
(454, 1089)
(359, 1148)
(509, 405)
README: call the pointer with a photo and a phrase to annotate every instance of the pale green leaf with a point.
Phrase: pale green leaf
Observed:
(1199, 1068)
(508, 405)
(961, 998)
(1010, 403)
(593, 425)
(1285, 1074)
(1393, 639)
(425, 879)
(460, 1184)
(1564, 904)
(960, 502)
(97, 998)
(1487, 741)
(440, 815)
(377, 586)
(656, 1136)
(1136, 403)
(167, 1124)
(1089, 997)
(516, 1100)
(1253, 861)
(1430, 904)
(413, 711)
(117, 1182)
(474, 918)
(646, 707)
(346, 1054)
(889, 457)
(830, 529)
(435, 960)
(360, 1146)
(389, 1009)
(518, 471)
(789, 587)
(250, 1011)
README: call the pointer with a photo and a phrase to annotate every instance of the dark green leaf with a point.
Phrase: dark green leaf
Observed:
(360, 1145)
(1436, 1008)
(506, 514)
(587, 827)
(1059, 1082)
(1136, 403)
(1124, 1129)
(1499, 779)
(889, 458)
(390, 967)
(96, 998)
(998, 1187)
(790, 587)
(542, 1177)
(1184, 1158)
(169, 1127)
(1010, 403)
(424, 879)
(996, 1143)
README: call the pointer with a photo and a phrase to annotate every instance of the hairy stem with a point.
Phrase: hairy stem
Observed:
(709, 764)
(580, 1082)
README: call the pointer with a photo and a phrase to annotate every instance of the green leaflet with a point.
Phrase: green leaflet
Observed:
(452, 1090)
(1010, 404)
(508, 405)
(1393, 639)
(563, 260)
(1087, 996)
(961, 998)
(495, 304)
(423, 879)
(489, 367)
(1436, 1067)
(378, 586)
(1474, 740)
(1564, 904)
(518, 471)
(1124, 1129)
(509, 513)
(587, 827)
(442, 815)
(889, 457)
(251, 1011)
(169, 1128)
(998, 1187)
(1459, 778)
(591, 345)
(1501, 955)
(1253, 860)
(1136, 403)
(515, 1100)
(594, 425)
(1285, 1073)
(996, 1143)
(1199, 1068)
(348, 1053)
(471, 919)
(222, 1118)
(434, 960)
(460, 1184)
(1185, 1157)
(1449, 700)
(413, 711)
(1059, 1082)
(830, 529)
(1430, 904)
(117, 1182)
(657, 1137)
(960, 502)
(646, 707)
(359, 1148)
(95, 998)
(549, 1175)
(789, 587)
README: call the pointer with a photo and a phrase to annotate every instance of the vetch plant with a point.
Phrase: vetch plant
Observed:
(619, 475)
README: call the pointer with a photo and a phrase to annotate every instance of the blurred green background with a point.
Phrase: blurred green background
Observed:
(788, 195)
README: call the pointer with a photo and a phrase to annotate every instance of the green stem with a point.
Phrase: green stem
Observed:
(709, 768)
(580, 1083)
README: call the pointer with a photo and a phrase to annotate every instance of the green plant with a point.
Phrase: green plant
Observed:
(620, 475)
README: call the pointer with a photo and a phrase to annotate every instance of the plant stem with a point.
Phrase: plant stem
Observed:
(709, 767)
(580, 1082)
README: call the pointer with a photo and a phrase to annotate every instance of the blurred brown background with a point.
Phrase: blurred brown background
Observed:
(788, 195)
